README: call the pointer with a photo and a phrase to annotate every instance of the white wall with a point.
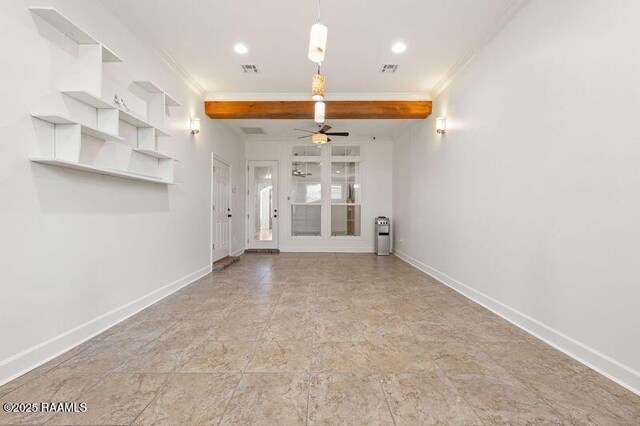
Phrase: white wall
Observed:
(79, 251)
(376, 177)
(530, 203)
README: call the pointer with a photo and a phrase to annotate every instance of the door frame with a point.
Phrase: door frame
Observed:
(215, 157)
(276, 201)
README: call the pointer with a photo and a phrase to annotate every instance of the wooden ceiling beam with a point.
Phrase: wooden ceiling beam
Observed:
(304, 109)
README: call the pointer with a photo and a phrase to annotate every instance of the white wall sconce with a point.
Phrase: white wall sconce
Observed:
(195, 125)
(441, 125)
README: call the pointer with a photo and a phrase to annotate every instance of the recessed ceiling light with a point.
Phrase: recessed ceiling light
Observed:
(399, 47)
(241, 48)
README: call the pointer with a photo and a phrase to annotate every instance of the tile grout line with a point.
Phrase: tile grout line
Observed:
(312, 331)
(471, 407)
(525, 384)
(257, 342)
(386, 400)
(442, 371)
(157, 394)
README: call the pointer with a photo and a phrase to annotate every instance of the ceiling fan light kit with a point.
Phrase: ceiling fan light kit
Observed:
(319, 138)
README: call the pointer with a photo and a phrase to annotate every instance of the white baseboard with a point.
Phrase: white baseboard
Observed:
(623, 375)
(325, 250)
(41, 353)
(238, 252)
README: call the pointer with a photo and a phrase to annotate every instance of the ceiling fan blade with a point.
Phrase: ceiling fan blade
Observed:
(325, 128)
(302, 137)
(303, 130)
(337, 134)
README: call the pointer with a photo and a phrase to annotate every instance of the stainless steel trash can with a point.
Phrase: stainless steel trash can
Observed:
(382, 236)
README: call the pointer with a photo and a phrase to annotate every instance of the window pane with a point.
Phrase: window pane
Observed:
(306, 187)
(345, 151)
(345, 220)
(345, 182)
(305, 220)
(306, 151)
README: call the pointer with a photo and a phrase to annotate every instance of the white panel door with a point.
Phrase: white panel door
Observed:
(221, 210)
(263, 207)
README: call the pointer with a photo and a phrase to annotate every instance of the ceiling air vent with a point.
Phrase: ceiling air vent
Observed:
(389, 68)
(252, 130)
(250, 69)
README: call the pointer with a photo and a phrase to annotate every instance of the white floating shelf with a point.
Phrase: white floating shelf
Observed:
(150, 87)
(109, 55)
(133, 118)
(160, 132)
(88, 98)
(71, 30)
(93, 169)
(152, 153)
(84, 129)
(137, 121)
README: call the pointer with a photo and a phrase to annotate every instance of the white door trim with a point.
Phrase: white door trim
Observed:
(216, 157)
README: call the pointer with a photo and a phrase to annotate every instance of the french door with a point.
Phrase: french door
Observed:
(263, 205)
(221, 210)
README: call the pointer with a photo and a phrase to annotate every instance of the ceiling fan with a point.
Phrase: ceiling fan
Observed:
(322, 130)
(297, 172)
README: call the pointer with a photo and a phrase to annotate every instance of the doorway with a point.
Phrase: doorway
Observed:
(263, 205)
(221, 208)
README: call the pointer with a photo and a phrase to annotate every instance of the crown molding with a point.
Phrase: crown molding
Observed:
(499, 21)
(136, 29)
(307, 97)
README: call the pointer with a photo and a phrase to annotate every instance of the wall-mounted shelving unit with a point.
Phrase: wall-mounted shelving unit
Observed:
(152, 153)
(83, 128)
(103, 171)
(67, 134)
(139, 122)
(88, 98)
(149, 87)
(71, 30)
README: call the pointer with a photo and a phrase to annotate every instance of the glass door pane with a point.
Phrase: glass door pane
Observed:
(263, 202)
(306, 198)
(345, 197)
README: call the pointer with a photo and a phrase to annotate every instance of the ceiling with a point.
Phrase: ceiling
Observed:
(359, 130)
(200, 34)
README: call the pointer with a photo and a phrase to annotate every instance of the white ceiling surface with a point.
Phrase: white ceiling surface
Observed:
(359, 130)
(200, 34)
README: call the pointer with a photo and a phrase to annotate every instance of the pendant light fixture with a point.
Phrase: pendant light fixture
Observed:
(318, 88)
(318, 115)
(317, 40)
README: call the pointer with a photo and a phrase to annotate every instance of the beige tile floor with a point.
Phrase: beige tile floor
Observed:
(319, 339)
